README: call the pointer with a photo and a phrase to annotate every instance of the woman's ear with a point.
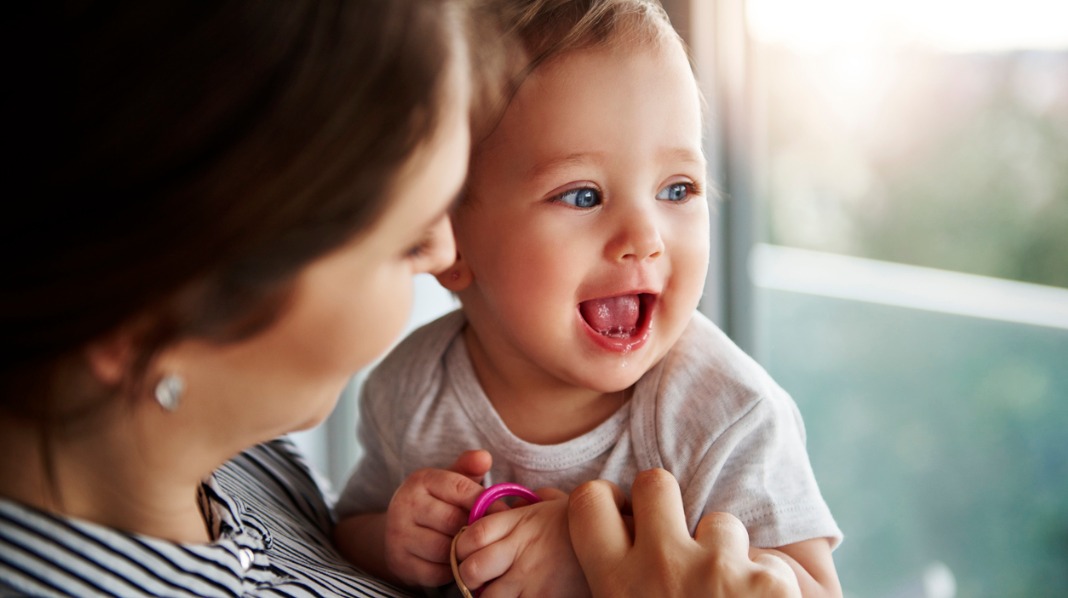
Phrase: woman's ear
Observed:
(456, 277)
(108, 357)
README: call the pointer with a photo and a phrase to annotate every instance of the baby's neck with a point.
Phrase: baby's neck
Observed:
(542, 420)
(536, 408)
(549, 416)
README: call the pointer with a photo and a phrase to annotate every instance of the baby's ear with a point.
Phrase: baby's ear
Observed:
(456, 277)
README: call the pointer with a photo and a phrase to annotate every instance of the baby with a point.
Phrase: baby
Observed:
(578, 354)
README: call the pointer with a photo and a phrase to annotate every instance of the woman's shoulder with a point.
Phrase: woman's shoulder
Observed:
(275, 464)
(282, 500)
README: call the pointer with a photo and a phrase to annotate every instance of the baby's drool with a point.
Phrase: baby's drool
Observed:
(615, 317)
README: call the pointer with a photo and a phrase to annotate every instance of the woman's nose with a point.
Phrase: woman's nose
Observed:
(442, 247)
(638, 237)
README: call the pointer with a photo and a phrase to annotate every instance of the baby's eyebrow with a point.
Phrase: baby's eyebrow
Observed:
(575, 159)
(672, 155)
(684, 154)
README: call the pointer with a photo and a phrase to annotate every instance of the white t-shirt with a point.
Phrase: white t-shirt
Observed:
(707, 413)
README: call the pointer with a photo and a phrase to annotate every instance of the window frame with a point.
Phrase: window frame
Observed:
(720, 58)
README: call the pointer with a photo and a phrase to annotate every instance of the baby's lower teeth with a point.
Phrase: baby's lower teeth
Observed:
(619, 332)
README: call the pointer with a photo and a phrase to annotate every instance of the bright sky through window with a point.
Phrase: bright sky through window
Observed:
(946, 25)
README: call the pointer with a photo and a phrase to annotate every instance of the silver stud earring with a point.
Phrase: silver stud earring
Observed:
(169, 392)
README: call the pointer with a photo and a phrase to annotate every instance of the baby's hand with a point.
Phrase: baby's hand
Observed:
(525, 551)
(425, 513)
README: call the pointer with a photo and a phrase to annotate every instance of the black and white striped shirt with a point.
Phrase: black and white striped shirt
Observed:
(272, 527)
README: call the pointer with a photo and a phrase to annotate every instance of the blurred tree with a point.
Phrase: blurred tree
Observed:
(989, 196)
(958, 162)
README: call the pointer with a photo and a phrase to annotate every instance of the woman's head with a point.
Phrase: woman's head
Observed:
(179, 165)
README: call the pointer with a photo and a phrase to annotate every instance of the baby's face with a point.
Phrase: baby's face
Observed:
(586, 232)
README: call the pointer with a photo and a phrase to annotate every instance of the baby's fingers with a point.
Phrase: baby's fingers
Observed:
(425, 573)
(473, 464)
(428, 545)
(451, 487)
(485, 532)
(420, 557)
(439, 516)
(486, 564)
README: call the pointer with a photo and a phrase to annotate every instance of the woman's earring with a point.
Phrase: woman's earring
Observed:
(169, 392)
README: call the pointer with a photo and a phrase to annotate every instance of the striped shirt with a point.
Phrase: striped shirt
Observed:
(269, 516)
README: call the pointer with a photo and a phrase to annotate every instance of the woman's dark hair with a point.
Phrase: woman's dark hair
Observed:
(174, 164)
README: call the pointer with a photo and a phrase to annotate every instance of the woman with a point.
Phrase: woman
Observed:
(220, 208)
(223, 208)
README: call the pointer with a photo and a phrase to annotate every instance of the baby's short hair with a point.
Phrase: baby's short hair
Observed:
(549, 28)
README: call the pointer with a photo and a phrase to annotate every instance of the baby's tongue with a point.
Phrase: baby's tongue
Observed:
(614, 316)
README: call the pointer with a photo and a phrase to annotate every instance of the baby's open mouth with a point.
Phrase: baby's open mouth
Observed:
(616, 317)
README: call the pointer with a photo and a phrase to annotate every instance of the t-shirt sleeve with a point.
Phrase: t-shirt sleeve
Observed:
(765, 477)
(736, 442)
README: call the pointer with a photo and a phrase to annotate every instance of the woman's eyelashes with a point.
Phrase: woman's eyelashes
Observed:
(421, 248)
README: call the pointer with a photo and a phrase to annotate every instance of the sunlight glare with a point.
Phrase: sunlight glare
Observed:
(946, 25)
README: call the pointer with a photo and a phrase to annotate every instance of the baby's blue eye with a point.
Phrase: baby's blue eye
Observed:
(584, 197)
(675, 192)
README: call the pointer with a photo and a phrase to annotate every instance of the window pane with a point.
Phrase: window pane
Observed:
(938, 439)
(911, 166)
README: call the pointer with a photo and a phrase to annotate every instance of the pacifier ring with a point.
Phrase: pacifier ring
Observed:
(478, 510)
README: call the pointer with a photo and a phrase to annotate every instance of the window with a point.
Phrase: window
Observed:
(899, 175)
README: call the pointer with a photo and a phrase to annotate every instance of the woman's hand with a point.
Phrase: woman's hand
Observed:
(655, 556)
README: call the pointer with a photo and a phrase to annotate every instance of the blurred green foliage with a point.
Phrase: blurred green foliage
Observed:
(953, 161)
(988, 196)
